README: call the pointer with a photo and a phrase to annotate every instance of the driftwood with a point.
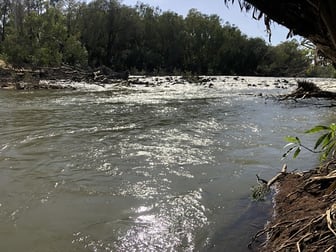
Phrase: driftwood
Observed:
(104, 74)
(307, 90)
(30, 78)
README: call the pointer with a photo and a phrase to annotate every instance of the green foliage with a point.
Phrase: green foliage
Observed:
(294, 146)
(74, 53)
(327, 71)
(143, 38)
(327, 141)
(42, 39)
(259, 192)
(285, 59)
(325, 145)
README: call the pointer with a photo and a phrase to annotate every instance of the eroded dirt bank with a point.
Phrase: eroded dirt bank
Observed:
(304, 217)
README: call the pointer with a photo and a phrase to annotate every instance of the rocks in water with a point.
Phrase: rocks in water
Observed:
(251, 85)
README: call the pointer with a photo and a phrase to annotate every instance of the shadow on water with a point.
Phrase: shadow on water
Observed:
(253, 215)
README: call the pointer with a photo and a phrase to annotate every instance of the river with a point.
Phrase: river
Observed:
(164, 168)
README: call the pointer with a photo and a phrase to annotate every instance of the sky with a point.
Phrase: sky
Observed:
(231, 14)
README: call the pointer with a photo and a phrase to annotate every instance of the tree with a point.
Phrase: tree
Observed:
(124, 38)
(171, 30)
(150, 47)
(38, 36)
(4, 12)
(285, 59)
(255, 50)
(94, 34)
(142, 39)
(203, 34)
(314, 20)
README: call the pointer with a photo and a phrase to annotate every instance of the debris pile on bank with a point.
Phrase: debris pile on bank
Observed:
(11, 78)
(304, 216)
(307, 89)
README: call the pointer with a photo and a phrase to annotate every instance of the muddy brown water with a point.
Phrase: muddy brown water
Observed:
(164, 168)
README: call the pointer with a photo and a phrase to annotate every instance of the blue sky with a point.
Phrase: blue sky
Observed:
(233, 15)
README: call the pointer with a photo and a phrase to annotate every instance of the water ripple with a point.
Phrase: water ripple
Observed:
(161, 168)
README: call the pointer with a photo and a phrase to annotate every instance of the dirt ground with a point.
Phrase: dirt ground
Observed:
(304, 216)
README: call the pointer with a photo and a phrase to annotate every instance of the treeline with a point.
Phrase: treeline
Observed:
(141, 39)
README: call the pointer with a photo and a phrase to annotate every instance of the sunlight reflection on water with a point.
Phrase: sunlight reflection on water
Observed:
(166, 225)
(139, 169)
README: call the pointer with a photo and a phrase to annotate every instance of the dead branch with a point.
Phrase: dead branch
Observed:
(329, 219)
(276, 177)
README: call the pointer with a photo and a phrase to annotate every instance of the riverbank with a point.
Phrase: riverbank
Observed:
(49, 78)
(72, 78)
(304, 214)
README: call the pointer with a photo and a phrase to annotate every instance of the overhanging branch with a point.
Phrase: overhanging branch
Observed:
(312, 19)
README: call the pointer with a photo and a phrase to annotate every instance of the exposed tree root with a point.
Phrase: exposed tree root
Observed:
(304, 214)
(276, 177)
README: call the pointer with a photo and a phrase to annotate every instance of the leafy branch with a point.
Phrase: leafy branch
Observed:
(325, 145)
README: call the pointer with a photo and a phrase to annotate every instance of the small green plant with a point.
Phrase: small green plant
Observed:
(325, 145)
(259, 192)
